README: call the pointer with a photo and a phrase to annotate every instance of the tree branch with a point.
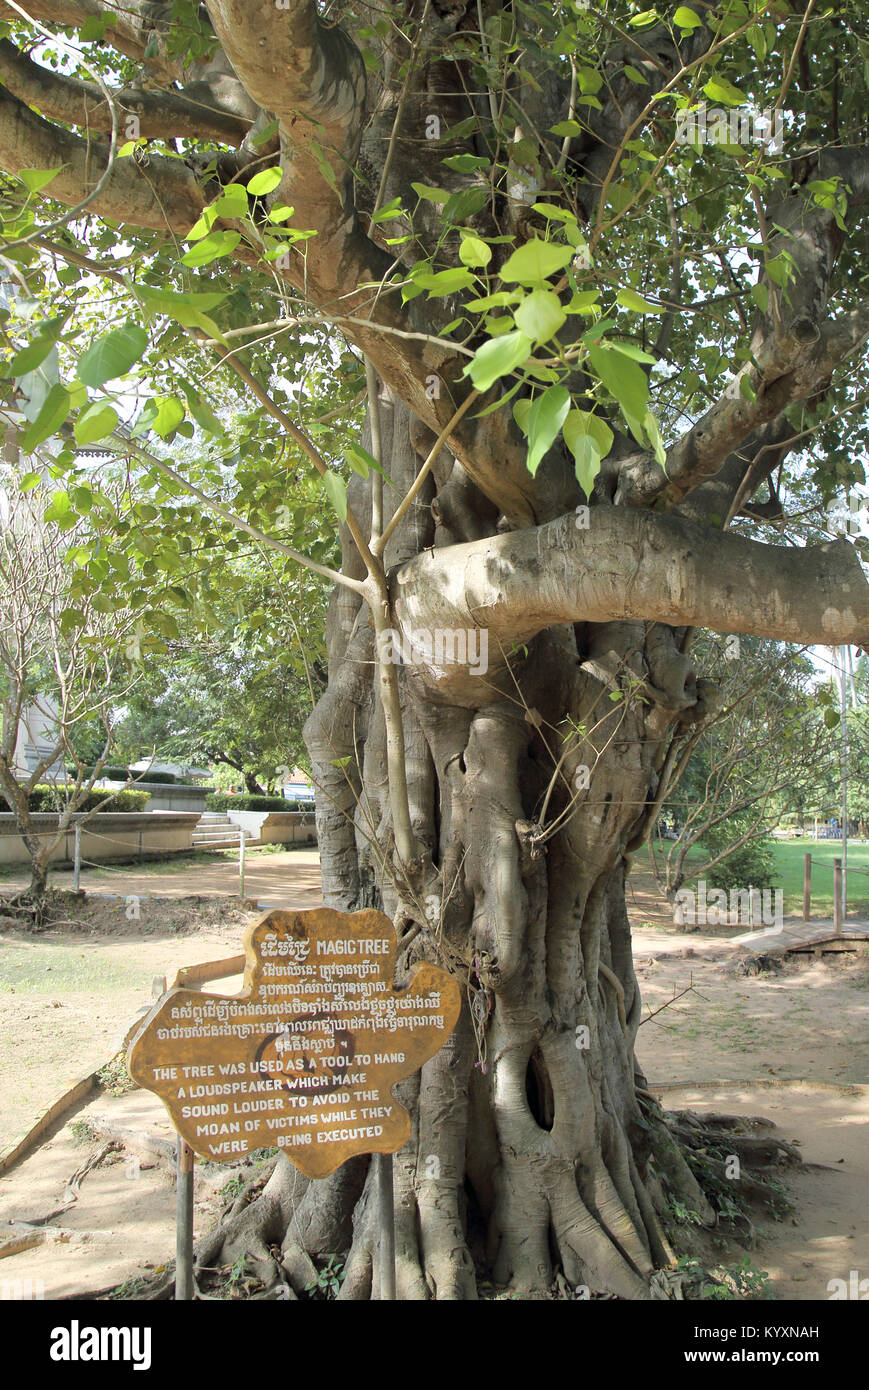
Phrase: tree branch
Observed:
(780, 379)
(191, 113)
(163, 196)
(634, 565)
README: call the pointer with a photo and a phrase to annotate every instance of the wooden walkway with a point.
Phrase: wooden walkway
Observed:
(796, 935)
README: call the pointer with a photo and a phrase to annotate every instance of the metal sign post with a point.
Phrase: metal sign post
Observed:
(386, 1198)
(844, 758)
(185, 1159)
(241, 843)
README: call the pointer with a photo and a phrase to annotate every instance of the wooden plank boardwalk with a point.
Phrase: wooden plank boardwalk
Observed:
(796, 934)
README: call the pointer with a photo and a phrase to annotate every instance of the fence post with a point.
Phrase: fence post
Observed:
(837, 897)
(76, 866)
(807, 888)
(241, 842)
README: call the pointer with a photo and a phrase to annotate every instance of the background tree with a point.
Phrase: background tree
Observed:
(66, 665)
(238, 694)
(730, 779)
(563, 299)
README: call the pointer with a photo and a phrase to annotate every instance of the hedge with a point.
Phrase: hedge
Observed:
(113, 773)
(47, 799)
(122, 774)
(227, 801)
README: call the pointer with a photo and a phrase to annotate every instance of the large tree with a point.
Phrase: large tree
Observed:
(610, 339)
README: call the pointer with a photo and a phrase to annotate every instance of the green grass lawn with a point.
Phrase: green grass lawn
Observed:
(789, 855)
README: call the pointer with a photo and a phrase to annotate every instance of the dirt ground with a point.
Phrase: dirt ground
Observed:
(792, 1044)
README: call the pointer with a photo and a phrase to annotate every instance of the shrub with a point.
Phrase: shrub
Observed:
(110, 771)
(224, 801)
(52, 799)
(752, 864)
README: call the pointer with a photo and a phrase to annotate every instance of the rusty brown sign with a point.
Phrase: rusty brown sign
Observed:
(305, 1057)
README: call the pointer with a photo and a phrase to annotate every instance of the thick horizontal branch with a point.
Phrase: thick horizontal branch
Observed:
(133, 22)
(163, 195)
(628, 565)
(193, 113)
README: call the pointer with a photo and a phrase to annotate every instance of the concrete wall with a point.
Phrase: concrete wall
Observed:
(277, 827)
(108, 835)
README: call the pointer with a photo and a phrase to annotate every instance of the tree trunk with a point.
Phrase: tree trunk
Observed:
(532, 1154)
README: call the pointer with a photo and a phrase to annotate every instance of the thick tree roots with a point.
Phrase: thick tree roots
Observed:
(611, 1232)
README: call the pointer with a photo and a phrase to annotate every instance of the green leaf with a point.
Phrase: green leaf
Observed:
(624, 380)
(29, 481)
(170, 413)
(36, 179)
(429, 194)
(32, 356)
(265, 182)
(55, 409)
(589, 439)
(266, 133)
(95, 423)
(326, 171)
(583, 422)
(540, 315)
(493, 301)
(686, 19)
(497, 357)
(388, 212)
(215, 244)
(202, 226)
(554, 213)
(466, 163)
(113, 355)
(586, 462)
(473, 251)
(361, 461)
(634, 75)
(631, 350)
(205, 418)
(650, 425)
(629, 299)
(718, 89)
(543, 422)
(337, 493)
(465, 203)
(58, 508)
(233, 202)
(444, 281)
(564, 128)
(532, 263)
(190, 310)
